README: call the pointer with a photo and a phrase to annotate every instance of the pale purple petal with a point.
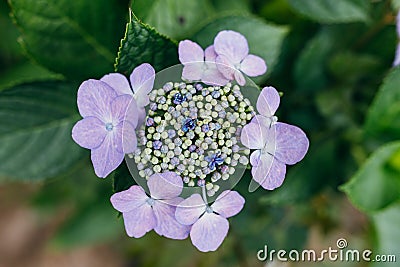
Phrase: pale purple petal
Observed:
(210, 54)
(132, 113)
(193, 71)
(255, 158)
(139, 221)
(268, 101)
(397, 57)
(269, 172)
(129, 139)
(142, 78)
(130, 199)
(240, 79)
(208, 233)
(141, 117)
(89, 132)
(253, 66)
(94, 99)
(118, 82)
(190, 52)
(106, 157)
(189, 210)
(142, 99)
(398, 23)
(254, 135)
(119, 106)
(212, 76)
(165, 185)
(291, 143)
(231, 44)
(225, 67)
(167, 225)
(228, 203)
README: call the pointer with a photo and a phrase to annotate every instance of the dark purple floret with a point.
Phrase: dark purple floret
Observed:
(157, 144)
(179, 98)
(189, 124)
(149, 122)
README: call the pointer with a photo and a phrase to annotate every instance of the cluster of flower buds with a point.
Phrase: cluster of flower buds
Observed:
(185, 140)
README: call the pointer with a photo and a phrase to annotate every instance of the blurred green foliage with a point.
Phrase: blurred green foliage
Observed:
(331, 59)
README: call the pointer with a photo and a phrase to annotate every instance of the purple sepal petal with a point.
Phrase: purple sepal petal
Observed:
(228, 203)
(167, 225)
(94, 99)
(210, 54)
(254, 135)
(139, 221)
(188, 211)
(208, 233)
(89, 132)
(141, 117)
(253, 66)
(398, 23)
(142, 79)
(269, 172)
(255, 158)
(396, 61)
(129, 139)
(130, 199)
(225, 67)
(193, 71)
(119, 106)
(291, 143)
(239, 77)
(106, 157)
(165, 185)
(268, 101)
(118, 82)
(212, 76)
(231, 44)
(190, 52)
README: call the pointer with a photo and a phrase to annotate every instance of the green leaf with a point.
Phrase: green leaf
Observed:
(377, 183)
(144, 44)
(383, 118)
(74, 38)
(174, 18)
(24, 73)
(387, 229)
(237, 6)
(36, 121)
(264, 39)
(310, 70)
(332, 11)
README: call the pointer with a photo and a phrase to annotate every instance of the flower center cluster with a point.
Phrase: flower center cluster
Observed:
(194, 130)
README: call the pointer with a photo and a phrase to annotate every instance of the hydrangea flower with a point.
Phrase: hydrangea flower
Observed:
(143, 213)
(275, 145)
(103, 125)
(233, 57)
(209, 223)
(397, 57)
(199, 65)
(198, 132)
(141, 80)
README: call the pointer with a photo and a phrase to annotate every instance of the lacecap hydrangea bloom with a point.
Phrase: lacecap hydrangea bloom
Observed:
(187, 140)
